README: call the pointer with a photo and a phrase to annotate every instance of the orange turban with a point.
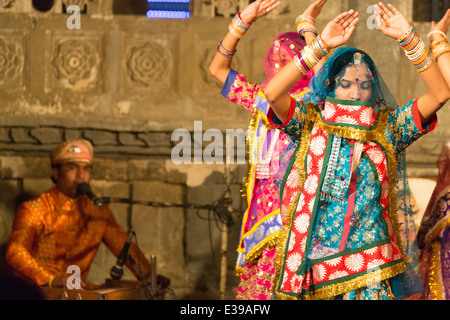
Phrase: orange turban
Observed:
(72, 150)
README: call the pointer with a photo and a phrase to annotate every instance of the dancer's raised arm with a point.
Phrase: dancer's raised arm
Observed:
(306, 25)
(221, 64)
(395, 25)
(336, 33)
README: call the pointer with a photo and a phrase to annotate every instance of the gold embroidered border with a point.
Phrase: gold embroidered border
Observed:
(436, 230)
(268, 216)
(376, 133)
(359, 282)
(347, 286)
(435, 281)
(434, 272)
(256, 252)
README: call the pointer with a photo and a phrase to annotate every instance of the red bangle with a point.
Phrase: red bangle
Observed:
(239, 16)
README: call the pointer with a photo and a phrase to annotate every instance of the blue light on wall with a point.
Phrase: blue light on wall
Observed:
(168, 9)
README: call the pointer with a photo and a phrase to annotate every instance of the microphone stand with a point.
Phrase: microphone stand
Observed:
(141, 277)
(154, 289)
(154, 292)
(223, 209)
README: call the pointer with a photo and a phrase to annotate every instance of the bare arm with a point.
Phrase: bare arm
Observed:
(221, 64)
(395, 25)
(336, 33)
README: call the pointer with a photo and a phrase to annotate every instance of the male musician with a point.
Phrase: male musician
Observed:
(59, 228)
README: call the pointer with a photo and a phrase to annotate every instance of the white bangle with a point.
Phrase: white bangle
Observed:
(436, 31)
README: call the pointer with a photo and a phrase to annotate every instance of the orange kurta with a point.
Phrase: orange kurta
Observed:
(53, 231)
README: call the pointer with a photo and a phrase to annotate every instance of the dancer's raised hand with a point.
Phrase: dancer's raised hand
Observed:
(257, 9)
(339, 30)
(441, 26)
(391, 21)
(315, 8)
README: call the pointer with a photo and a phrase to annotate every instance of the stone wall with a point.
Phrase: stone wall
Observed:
(126, 83)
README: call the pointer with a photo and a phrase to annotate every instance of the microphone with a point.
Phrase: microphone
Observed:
(85, 189)
(117, 270)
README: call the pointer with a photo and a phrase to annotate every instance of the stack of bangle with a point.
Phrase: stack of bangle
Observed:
(225, 52)
(439, 47)
(238, 27)
(311, 55)
(304, 24)
(415, 50)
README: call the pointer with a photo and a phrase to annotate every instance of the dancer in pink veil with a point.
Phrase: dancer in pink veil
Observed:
(269, 149)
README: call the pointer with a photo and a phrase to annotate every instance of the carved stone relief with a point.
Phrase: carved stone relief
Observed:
(148, 64)
(12, 60)
(75, 63)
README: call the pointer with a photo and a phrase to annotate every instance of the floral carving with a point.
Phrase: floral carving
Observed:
(76, 64)
(148, 64)
(11, 61)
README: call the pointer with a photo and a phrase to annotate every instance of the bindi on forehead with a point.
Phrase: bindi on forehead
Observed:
(357, 76)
